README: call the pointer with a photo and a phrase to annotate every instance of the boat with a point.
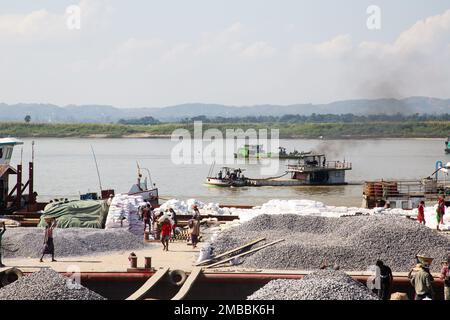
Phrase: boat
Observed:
(228, 177)
(311, 169)
(253, 151)
(447, 145)
(250, 151)
(407, 194)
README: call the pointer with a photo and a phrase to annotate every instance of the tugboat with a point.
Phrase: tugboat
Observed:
(228, 177)
(447, 145)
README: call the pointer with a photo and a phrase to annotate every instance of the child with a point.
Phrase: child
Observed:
(166, 229)
(421, 212)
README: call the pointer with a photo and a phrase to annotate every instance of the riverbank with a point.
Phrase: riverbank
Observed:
(372, 130)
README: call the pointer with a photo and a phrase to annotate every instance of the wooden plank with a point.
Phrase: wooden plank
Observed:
(187, 285)
(149, 284)
(244, 253)
(230, 251)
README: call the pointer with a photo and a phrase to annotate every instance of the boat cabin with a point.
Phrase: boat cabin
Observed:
(316, 169)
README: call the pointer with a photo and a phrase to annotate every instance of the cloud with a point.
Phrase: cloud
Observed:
(259, 49)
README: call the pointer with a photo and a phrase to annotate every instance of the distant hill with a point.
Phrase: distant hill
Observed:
(109, 114)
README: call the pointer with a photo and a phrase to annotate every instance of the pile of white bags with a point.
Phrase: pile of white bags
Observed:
(124, 213)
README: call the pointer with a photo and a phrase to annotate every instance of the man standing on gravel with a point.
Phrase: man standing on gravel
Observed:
(440, 211)
(49, 247)
(1, 235)
(422, 281)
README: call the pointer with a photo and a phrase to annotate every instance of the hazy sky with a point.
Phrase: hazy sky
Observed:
(236, 52)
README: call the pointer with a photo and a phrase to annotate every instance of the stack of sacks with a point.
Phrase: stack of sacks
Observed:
(124, 213)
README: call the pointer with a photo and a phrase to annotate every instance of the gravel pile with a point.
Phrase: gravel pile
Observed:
(68, 242)
(319, 285)
(46, 284)
(354, 242)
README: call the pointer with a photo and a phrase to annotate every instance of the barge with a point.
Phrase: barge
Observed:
(310, 170)
(407, 194)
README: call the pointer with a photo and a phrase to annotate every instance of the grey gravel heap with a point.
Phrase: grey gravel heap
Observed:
(46, 284)
(68, 242)
(319, 285)
(354, 242)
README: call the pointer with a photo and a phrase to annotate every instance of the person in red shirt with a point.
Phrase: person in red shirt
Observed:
(421, 212)
(166, 229)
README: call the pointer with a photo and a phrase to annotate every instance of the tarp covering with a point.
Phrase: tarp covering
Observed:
(76, 214)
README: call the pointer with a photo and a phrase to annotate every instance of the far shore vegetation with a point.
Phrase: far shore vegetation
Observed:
(290, 126)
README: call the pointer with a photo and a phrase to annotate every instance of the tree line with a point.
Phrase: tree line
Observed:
(325, 118)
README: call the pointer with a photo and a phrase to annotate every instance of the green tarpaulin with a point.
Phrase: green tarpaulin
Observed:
(76, 214)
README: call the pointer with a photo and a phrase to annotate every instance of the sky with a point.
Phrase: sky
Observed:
(237, 52)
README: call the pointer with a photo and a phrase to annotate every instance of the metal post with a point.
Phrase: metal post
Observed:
(19, 186)
(31, 197)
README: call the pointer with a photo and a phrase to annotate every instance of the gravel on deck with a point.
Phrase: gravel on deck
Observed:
(319, 285)
(46, 284)
(68, 242)
(355, 243)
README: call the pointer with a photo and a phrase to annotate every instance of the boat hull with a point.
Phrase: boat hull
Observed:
(225, 183)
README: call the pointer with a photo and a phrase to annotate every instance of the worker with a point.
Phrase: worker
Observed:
(196, 211)
(421, 212)
(445, 276)
(109, 201)
(440, 211)
(386, 279)
(157, 225)
(194, 229)
(146, 213)
(2, 232)
(175, 222)
(166, 229)
(49, 247)
(422, 281)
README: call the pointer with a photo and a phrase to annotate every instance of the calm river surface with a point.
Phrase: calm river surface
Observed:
(65, 168)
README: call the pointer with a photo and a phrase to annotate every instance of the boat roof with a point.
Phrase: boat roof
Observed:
(10, 141)
(230, 168)
(6, 169)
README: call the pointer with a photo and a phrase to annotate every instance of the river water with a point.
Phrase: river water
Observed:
(65, 168)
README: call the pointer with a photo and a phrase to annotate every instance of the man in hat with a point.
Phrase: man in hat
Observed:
(422, 281)
(445, 275)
